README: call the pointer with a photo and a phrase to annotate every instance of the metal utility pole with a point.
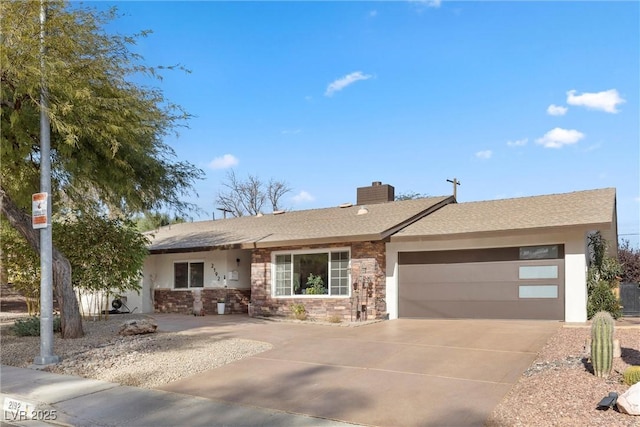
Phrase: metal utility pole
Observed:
(455, 183)
(46, 237)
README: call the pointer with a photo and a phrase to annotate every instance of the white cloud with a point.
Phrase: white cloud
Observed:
(518, 142)
(558, 137)
(556, 110)
(373, 13)
(486, 154)
(224, 162)
(303, 196)
(606, 101)
(345, 81)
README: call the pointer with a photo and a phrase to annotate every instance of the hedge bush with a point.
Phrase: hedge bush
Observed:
(30, 327)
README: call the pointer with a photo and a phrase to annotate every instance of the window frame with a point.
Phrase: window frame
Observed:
(292, 253)
(188, 262)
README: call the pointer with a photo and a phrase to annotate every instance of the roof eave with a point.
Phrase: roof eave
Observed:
(498, 233)
(314, 241)
(159, 251)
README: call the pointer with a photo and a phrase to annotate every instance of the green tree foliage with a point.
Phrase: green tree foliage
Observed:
(106, 254)
(410, 196)
(629, 257)
(22, 266)
(154, 220)
(107, 132)
(602, 278)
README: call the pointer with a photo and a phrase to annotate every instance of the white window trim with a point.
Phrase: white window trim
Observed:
(309, 251)
(189, 262)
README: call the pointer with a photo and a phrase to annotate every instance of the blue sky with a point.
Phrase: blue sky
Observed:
(511, 98)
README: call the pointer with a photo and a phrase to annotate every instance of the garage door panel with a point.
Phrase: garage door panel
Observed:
(481, 309)
(470, 291)
(455, 273)
(502, 289)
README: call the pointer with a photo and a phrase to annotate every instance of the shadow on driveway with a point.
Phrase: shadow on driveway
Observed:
(399, 372)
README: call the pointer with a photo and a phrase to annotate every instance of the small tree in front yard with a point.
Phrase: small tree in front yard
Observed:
(22, 265)
(107, 254)
(602, 277)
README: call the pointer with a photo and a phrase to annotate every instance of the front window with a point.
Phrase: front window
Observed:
(188, 275)
(312, 273)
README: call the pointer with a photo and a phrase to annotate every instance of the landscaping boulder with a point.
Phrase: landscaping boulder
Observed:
(138, 327)
(629, 401)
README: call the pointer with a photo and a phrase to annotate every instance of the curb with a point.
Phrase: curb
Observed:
(21, 411)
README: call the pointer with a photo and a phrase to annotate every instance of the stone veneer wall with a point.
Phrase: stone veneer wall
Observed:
(367, 261)
(172, 301)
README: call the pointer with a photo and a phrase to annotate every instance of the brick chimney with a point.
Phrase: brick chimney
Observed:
(376, 193)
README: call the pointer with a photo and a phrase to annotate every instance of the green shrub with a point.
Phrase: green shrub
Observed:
(631, 375)
(602, 278)
(298, 311)
(602, 298)
(30, 326)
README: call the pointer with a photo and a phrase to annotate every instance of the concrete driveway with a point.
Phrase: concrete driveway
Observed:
(392, 373)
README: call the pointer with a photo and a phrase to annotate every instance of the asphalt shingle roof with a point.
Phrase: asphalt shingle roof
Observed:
(580, 208)
(326, 225)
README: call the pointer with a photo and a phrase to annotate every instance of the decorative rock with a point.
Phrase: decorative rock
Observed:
(138, 327)
(629, 401)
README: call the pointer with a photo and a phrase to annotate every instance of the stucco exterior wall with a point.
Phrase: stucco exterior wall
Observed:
(575, 262)
(221, 267)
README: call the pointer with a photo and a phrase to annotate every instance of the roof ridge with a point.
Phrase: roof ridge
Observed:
(300, 211)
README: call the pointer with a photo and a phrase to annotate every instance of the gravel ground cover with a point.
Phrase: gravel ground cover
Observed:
(558, 389)
(141, 360)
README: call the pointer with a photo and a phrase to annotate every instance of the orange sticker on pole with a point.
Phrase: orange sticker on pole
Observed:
(39, 218)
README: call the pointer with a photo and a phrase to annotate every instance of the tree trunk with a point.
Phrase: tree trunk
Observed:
(69, 310)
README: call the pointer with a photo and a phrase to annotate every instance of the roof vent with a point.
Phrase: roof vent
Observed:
(278, 212)
(345, 205)
(363, 210)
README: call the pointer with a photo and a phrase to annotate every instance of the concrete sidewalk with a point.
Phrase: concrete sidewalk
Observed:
(74, 401)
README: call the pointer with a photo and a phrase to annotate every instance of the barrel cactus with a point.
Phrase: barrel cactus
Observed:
(631, 375)
(602, 343)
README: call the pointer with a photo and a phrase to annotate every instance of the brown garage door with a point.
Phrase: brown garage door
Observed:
(502, 283)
